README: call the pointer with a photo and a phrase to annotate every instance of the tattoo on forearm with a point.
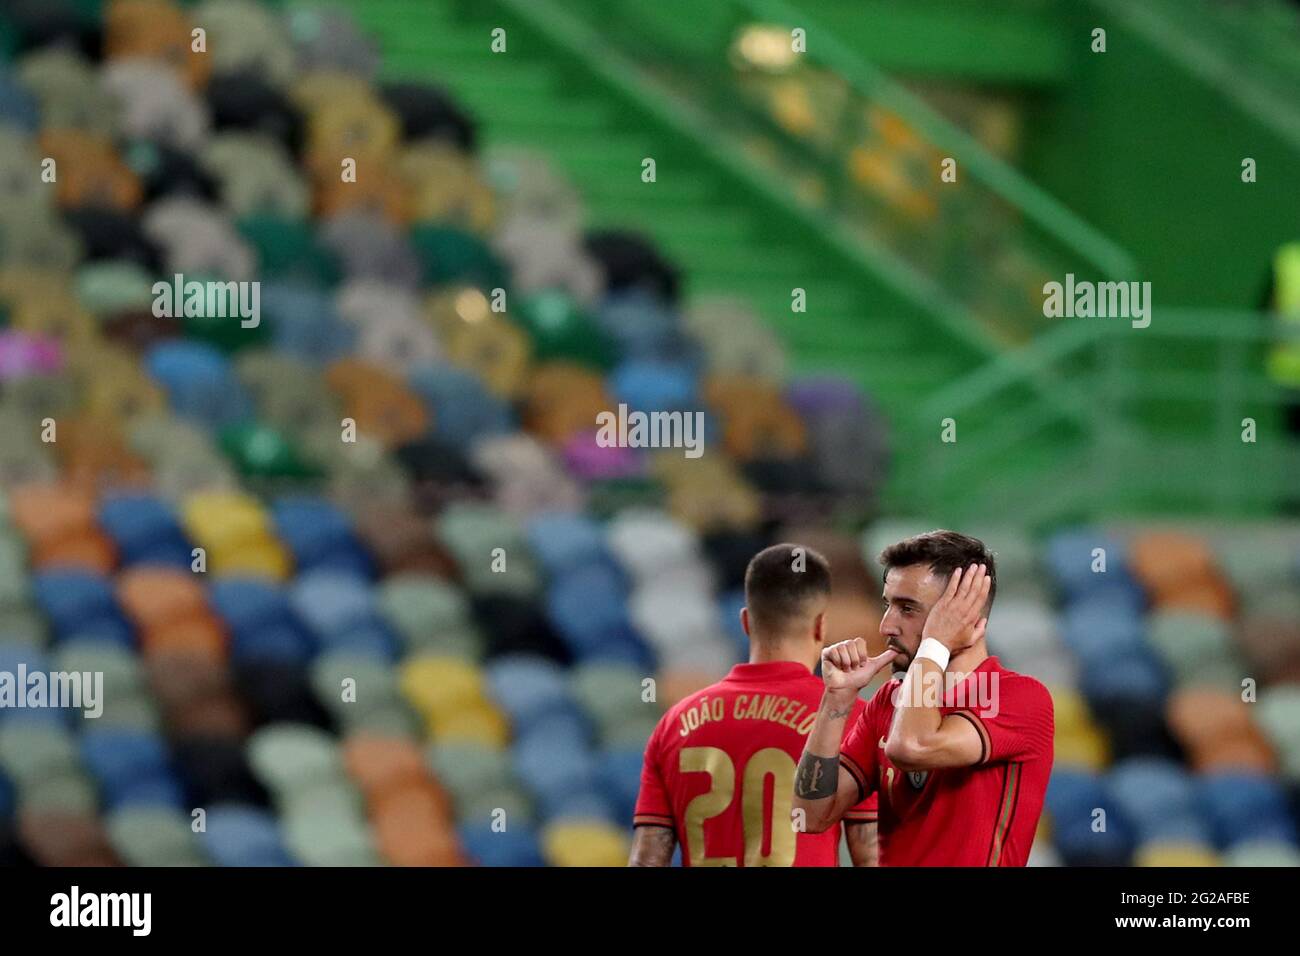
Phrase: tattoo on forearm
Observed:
(653, 846)
(816, 777)
(829, 710)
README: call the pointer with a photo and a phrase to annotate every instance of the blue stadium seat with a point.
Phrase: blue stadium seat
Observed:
(517, 845)
(13, 656)
(305, 322)
(620, 777)
(464, 411)
(18, 108)
(108, 629)
(651, 386)
(372, 638)
(729, 605)
(145, 530)
(1084, 836)
(586, 603)
(156, 790)
(240, 835)
(319, 535)
(123, 761)
(587, 805)
(527, 687)
(622, 644)
(73, 599)
(553, 759)
(1095, 629)
(562, 542)
(644, 328)
(1141, 678)
(1160, 799)
(199, 383)
(249, 603)
(286, 643)
(1069, 558)
(330, 602)
(1245, 807)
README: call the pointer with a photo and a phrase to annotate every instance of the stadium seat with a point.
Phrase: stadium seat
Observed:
(238, 835)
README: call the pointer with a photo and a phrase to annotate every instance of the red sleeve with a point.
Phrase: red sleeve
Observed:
(1019, 722)
(865, 810)
(653, 807)
(858, 752)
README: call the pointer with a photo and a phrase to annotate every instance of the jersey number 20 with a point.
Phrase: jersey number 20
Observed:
(771, 761)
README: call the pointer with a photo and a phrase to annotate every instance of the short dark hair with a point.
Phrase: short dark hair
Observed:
(944, 552)
(779, 582)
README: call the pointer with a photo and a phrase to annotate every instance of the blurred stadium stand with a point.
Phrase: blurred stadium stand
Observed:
(351, 681)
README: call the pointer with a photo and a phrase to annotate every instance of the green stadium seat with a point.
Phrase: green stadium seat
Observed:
(289, 757)
(154, 836)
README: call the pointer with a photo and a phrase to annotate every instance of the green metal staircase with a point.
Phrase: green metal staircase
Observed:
(1036, 433)
(734, 229)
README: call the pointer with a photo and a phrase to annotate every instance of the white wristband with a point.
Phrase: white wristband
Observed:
(934, 651)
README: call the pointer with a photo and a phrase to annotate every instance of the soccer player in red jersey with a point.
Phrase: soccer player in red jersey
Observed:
(958, 748)
(719, 767)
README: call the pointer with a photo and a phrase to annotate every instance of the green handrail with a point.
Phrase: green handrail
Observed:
(1199, 458)
(1171, 27)
(1003, 180)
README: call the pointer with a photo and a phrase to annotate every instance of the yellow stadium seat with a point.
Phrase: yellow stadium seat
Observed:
(261, 556)
(584, 844)
(1175, 854)
(1071, 711)
(1086, 748)
(439, 686)
(483, 726)
(213, 518)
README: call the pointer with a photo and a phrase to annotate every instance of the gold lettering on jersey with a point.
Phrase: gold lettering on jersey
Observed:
(773, 707)
(700, 713)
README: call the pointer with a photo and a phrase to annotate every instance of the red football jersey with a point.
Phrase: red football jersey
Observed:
(982, 815)
(719, 770)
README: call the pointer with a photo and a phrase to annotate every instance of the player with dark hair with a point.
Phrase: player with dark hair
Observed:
(720, 765)
(958, 748)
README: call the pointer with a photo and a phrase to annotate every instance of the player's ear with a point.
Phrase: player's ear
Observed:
(744, 620)
(819, 628)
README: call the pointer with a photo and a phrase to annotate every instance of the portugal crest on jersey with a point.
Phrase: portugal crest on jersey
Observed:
(917, 778)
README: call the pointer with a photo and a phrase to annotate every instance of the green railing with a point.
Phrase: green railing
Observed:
(1166, 411)
(863, 152)
(1089, 419)
(1246, 48)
